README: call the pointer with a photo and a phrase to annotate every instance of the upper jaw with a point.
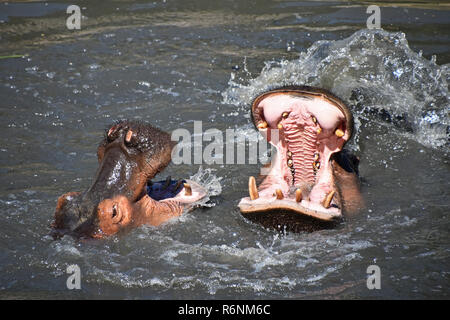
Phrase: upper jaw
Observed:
(306, 126)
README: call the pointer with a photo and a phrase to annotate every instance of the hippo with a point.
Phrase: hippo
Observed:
(122, 195)
(312, 181)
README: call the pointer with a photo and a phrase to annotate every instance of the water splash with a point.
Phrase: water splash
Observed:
(211, 182)
(375, 71)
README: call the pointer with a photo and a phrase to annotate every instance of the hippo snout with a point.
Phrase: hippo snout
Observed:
(74, 215)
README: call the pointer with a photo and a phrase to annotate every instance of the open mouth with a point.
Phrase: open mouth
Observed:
(184, 191)
(306, 126)
(122, 195)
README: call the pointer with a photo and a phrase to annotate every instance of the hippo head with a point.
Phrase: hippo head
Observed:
(122, 195)
(309, 175)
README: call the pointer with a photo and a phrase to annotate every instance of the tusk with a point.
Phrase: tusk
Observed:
(327, 201)
(285, 115)
(279, 194)
(262, 125)
(339, 133)
(252, 190)
(298, 195)
(187, 189)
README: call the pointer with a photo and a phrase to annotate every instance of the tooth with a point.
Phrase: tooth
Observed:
(187, 189)
(289, 163)
(316, 165)
(280, 126)
(252, 190)
(319, 130)
(339, 133)
(298, 195)
(314, 119)
(279, 194)
(327, 201)
(262, 125)
(316, 157)
(285, 115)
(129, 135)
(289, 154)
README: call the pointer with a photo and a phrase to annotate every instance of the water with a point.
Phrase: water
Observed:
(173, 62)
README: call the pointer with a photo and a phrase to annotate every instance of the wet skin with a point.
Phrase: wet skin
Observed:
(120, 197)
(311, 179)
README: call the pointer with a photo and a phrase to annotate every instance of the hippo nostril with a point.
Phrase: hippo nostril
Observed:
(116, 214)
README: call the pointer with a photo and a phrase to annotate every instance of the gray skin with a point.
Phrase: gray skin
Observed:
(130, 154)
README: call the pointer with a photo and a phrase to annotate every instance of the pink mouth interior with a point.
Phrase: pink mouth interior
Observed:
(305, 130)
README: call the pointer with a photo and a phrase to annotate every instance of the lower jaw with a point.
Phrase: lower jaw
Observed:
(305, 207)
(304, 187)
(276, 199)
(290, 221)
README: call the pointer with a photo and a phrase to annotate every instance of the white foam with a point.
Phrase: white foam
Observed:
(370, 70)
